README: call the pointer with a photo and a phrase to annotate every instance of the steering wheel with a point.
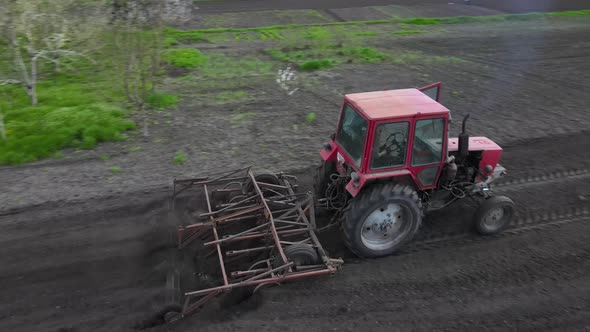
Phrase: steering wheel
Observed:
(391, 144)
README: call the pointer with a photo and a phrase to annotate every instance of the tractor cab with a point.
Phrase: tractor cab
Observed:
(392, 133)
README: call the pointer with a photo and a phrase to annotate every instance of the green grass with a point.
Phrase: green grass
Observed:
(77, 108)
(188, 36)
(270, 35)
(408, 32)
(222, 67)
(330, 56)
(227, 97)
(239, 118)
(116, 170)
(105, 157)
(185, 57)
(365, 54)
(317, 33)
(365, 34)
(179, 158)
(317, 64)
(170, 41)
(310, 117)
(200, 35)
(571, 13)
(161, 100)
(35, 133)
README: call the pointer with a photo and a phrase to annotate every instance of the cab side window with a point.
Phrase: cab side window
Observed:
(391, 141)
(428, 141)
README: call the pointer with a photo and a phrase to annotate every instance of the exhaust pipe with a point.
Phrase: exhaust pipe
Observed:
(464, 140)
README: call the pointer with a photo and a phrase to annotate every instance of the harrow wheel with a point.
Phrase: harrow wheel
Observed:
(300, 254)
(261, 176)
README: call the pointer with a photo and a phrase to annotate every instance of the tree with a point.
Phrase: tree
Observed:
(37, 31)
(137, 32)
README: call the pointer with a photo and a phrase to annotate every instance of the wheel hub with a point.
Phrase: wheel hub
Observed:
(495, 216)
(383, 227)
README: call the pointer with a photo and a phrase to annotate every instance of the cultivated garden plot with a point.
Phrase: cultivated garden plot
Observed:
(85, 215)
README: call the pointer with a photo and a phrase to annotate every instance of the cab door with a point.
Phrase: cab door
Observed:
(432, 90)
(428, 150)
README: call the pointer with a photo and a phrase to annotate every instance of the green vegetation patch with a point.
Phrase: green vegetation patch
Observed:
(571, 13)
(220, 66)
(227, 97)
(161, 100)
(317, 33)
(409, 32)
(270, 35)
(327, 57)
(322, 58)
(179, 158)
(319, 30)
(185, 57)
(34, 133)
(317, 64)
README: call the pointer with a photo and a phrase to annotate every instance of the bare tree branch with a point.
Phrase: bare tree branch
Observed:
(9, 81)
(42, 31)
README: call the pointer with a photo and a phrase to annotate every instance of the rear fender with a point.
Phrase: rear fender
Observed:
(400, 176)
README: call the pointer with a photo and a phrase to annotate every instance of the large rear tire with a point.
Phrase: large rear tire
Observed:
(494, 215)
(322, 178)
(381, 220)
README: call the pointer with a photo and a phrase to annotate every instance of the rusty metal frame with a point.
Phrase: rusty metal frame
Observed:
(281, 218)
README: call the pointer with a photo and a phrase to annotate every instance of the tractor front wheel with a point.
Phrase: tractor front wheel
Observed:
(381, 220)
(494, 215)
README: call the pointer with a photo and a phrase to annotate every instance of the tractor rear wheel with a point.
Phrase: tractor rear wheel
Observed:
(494, 215)
(381, 220)
(322, 178)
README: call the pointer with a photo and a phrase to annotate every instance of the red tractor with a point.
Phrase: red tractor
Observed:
(390, 161)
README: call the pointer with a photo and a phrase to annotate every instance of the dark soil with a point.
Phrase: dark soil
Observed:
(81, 246)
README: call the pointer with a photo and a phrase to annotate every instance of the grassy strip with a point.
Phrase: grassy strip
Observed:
(333, 55)
(408, 32)
(76, 109)
(198, 34)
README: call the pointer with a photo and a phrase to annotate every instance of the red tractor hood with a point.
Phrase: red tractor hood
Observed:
(475, 144)
(491, 152)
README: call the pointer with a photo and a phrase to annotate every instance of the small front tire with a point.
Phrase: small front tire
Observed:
(494, 215)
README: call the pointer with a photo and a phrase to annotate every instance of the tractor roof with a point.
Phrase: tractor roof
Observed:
(387, 104)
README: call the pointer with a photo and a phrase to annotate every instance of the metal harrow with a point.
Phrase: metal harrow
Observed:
(253, 215)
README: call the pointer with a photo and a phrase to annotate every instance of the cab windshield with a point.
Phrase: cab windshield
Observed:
(352, 133)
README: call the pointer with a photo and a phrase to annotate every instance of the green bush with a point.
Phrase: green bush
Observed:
(161, 100)
(179, 158)
(316, 65)
(185, 57)
(35, 133)
(116, 170)
(317, 33)
(170, 41)
(366, 54)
